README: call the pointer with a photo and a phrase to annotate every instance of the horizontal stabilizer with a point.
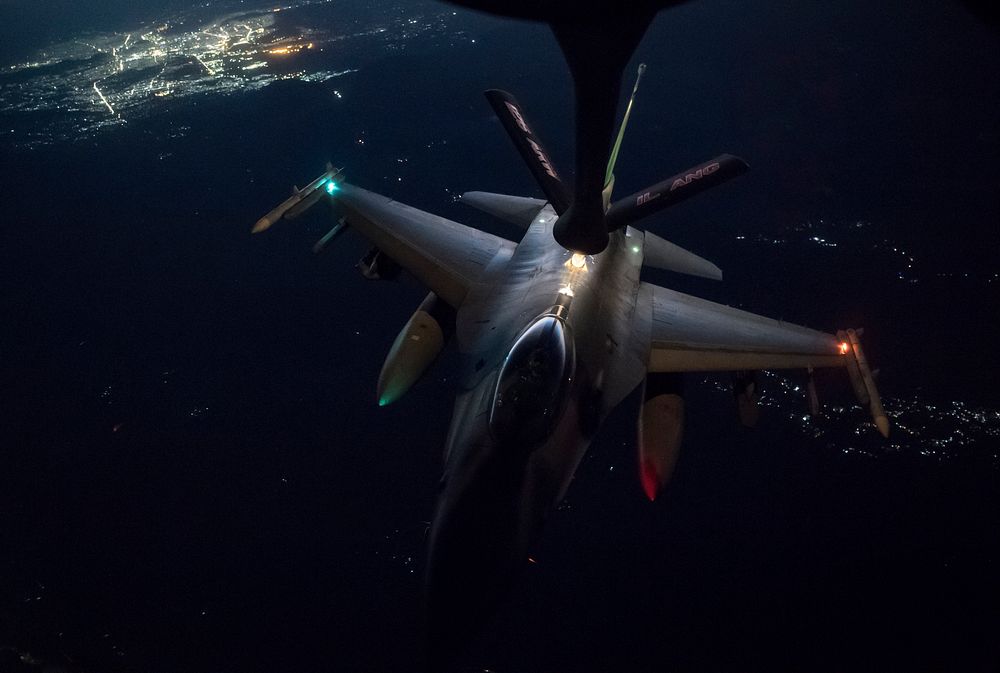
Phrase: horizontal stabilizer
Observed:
(660, 253)
(518, 210)
(673, 190)
(508, 110)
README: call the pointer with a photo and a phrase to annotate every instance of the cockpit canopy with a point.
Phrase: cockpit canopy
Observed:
(533, 383)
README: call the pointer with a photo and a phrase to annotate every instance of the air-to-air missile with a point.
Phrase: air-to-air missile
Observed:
(301, 200)
(862, 379)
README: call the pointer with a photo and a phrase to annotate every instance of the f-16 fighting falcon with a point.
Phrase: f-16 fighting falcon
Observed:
(556, 329)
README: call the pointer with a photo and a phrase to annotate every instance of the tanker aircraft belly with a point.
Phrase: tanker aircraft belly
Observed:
(550, 341)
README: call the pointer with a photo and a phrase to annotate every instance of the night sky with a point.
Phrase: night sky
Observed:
(194, 473)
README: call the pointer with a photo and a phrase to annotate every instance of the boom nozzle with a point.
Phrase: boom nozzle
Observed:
(582, 228)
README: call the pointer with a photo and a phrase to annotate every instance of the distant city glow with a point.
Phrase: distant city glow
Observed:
(86, 83)
(938, 430)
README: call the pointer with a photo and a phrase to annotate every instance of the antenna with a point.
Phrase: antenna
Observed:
(609, 176)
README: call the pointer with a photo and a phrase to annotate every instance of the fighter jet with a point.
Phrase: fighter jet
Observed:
(550, 341)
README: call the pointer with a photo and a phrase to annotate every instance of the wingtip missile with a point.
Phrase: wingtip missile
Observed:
(300, 200)
(868, 381)
(882, 423)
(263, 224)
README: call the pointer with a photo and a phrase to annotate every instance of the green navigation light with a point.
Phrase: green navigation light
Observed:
(331, 187)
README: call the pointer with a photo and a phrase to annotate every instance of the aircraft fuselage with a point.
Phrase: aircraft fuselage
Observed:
(525, 414)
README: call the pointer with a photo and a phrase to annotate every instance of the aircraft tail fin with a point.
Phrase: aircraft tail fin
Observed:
(518, 210)
(674, 189)
(508, 110)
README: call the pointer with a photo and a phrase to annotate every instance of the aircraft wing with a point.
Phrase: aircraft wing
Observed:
(692, 334)
(445, 256)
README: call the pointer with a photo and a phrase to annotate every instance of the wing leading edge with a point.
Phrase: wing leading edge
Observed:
(447, 257)
(692, 334)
